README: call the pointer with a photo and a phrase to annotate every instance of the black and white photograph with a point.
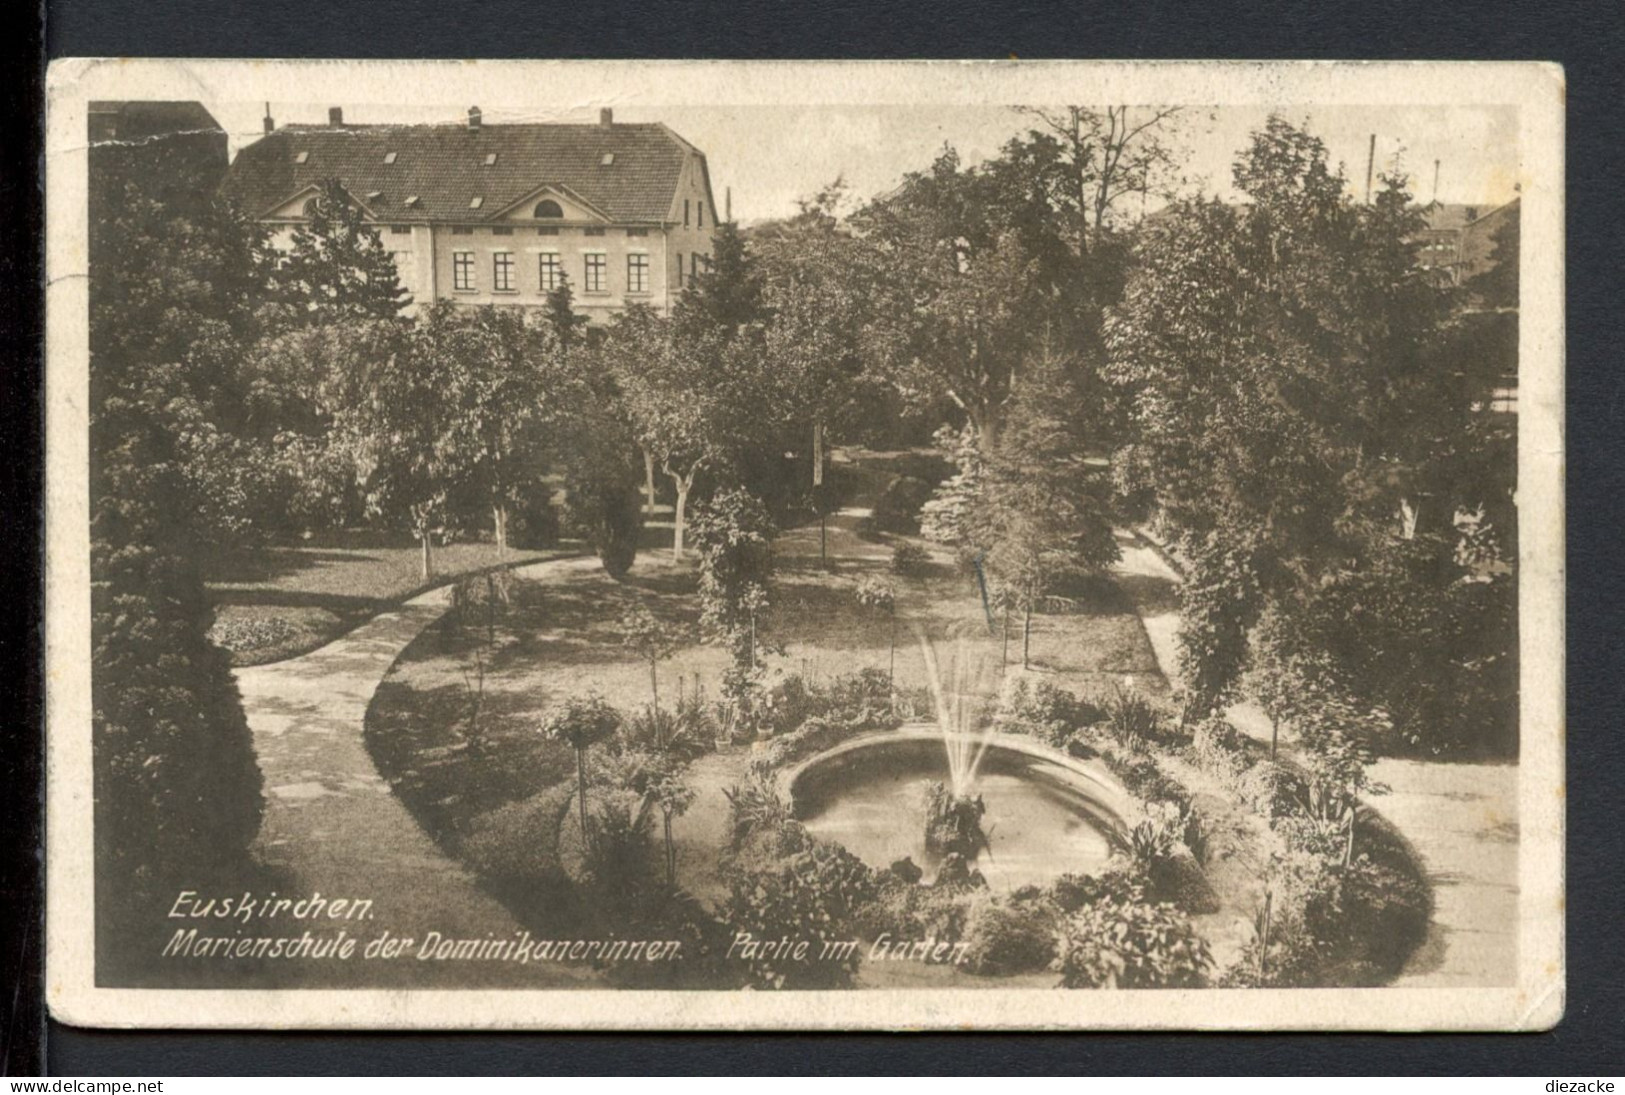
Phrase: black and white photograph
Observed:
(767, 545)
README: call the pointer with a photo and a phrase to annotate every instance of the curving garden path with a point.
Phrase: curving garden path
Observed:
(1460, 818)
(332, 825)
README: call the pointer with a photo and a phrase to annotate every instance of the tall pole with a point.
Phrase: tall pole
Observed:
(728, 204)
(1370, 165)
(1435, 182)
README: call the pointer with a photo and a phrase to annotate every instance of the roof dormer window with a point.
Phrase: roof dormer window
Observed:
(301, 157)
(389, 157)
(374, 195)
(412, 199)
(609, 158)
(490, 159)
(475, 203)
(547, 208)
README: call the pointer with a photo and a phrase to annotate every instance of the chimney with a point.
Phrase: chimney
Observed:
(269, 123)
(335, 115)
(606, 118)
(473, 119)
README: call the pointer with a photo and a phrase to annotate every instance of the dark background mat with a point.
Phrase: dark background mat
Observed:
(1587, 37)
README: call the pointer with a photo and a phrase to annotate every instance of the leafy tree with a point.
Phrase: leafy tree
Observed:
(338, 266)
(734, 536)
(582, 722)
(1040, 515)
(177, 791)
(672, 397)
(878, 594)
(1283, 365)
(416, 415)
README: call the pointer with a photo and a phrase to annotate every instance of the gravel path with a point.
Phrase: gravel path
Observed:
(332, 827)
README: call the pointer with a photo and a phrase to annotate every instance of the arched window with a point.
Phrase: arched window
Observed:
(548, 208)
(311, 207)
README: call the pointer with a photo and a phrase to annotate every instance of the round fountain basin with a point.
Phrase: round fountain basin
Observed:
(1048, 814)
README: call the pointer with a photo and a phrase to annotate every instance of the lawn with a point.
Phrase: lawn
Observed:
(279, 601)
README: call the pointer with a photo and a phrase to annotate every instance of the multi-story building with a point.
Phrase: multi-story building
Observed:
(502, 214)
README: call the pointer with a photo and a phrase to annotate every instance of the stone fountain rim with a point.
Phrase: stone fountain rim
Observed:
(1102, 788)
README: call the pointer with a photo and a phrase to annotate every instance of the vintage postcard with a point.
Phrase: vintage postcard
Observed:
(685, 546)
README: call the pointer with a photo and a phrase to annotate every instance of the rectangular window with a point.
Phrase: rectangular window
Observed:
(400, 230)
(547, 230)
(699, 219)
(552, 272)
(502, 271)
(462, 270)
(597, 269)
(592, 232)
(461, 230)
(637, 231)
(685, 212)
(637, 273)
(502, 231)
(679, 269)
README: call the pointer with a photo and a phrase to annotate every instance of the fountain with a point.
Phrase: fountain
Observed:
(1019, 810)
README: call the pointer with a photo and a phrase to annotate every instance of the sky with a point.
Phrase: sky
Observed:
(770, 156)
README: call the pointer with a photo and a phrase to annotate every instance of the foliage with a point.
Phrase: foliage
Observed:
(1132, 718)
(1129, 945)
(176, 789)
(898, 508)
(581, 722)
(1296, 402)
(1004, 937)
(801, 888)
(338, 266)
(734, 536)
(945, 517)
(754, 806)
(1044, 711)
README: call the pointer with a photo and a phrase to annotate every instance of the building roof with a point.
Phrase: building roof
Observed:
(447, 166)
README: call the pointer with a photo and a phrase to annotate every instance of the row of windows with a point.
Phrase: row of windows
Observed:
(550, 272)
(700, 221)
(507, 230)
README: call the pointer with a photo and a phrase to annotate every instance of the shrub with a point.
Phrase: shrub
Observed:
(1006, 938)
(610, 515)
(1120, 881)
(754, 806)
(910, 560)
(1132, 945)
(813, 893)
(898, 507)
(1044, 711)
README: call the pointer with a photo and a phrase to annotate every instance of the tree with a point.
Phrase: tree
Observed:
(877, 593)
(1289, 405)
(176, 787)
(417, 418)
(501, 400)
(672, 399)
(338, 266)
(652, 639)
(1040, 513)
(559, 314)
(582, 722)
(734, 536)
(673, 796)
(727, 296)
